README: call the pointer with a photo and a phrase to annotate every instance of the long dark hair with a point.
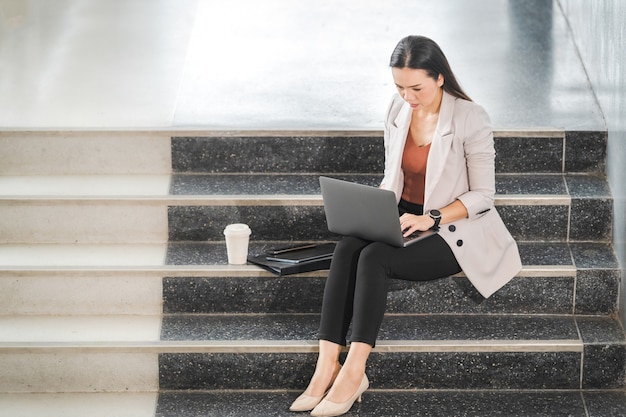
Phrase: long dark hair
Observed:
(420, 52)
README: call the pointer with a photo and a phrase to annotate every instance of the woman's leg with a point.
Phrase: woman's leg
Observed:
(336, 314)
(337, 305)
(326, 369)
(425, 260)
(351, 374)
(325, 374)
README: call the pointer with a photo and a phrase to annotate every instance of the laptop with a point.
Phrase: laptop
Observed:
(365, 212)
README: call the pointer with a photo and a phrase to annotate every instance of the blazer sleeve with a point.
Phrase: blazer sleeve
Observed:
(480, 159)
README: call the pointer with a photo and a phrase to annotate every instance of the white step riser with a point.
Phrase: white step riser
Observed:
(80, 153)
(81, 294)
(76, 371)
(113, 222)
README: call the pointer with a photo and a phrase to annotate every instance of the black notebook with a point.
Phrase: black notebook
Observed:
(288, 268)
(306, 254)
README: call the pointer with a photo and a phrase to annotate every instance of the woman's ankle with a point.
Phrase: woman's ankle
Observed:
(323, 379)
(345, 385)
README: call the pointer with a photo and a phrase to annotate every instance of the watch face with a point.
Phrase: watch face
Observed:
(435, 213)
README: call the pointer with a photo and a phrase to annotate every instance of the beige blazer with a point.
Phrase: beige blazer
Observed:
(461, 165)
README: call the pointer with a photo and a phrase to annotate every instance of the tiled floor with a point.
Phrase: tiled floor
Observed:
(400, 404)
(426, 403)
(283, 65)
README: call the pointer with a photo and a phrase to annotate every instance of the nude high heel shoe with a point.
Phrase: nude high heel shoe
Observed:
(306, 402)
(329, 409)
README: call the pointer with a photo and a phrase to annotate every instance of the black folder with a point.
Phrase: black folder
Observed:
(311, 259)
(305, 254)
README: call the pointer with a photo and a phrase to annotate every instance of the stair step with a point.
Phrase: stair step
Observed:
(552, 151)
(76, 152)
(248, 289)
(275, 218)
(280, 153)
(277, 352)
(420, 364)
(101, 404)
(562, 202)
(127, 208)
(156, 152)
(82, 220)
(223, 289)
(398, 331)
(118, 281)
(557, 278)
(79, 353)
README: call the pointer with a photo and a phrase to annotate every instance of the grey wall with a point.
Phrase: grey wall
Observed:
(599, 29)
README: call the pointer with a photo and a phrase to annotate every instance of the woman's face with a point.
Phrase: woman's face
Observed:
(417, 88)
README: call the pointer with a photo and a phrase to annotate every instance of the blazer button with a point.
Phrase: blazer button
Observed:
(459, 242)
(452, 228)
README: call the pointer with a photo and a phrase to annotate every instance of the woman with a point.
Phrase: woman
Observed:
(439, 161)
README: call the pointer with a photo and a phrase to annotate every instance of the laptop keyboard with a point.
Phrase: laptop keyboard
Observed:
(412, 235)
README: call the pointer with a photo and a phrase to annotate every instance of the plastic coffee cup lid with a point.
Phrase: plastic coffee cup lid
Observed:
(237, 228)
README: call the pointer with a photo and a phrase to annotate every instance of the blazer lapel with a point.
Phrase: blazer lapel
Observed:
(403, 118)
(399, 132)
(439, 148)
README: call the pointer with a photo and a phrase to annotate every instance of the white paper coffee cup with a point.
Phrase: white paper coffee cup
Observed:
(237, 239)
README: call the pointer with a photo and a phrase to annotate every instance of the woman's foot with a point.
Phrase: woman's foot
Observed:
(322, 380)
(334, 406)
(345, 385)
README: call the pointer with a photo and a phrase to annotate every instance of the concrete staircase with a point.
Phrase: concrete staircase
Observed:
(115, 293)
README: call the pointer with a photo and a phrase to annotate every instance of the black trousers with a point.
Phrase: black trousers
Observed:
(356, 287)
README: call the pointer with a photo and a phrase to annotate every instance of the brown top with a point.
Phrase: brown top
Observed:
(414, 159)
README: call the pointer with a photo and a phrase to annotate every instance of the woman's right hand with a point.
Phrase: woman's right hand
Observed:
(411, 223)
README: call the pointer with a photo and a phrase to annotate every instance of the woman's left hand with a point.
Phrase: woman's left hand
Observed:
(410, 223)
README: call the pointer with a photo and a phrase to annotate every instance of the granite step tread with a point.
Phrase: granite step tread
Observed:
(409, 331)
(556, 278)
(563, 254)
(507, 185)
(592, 356)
